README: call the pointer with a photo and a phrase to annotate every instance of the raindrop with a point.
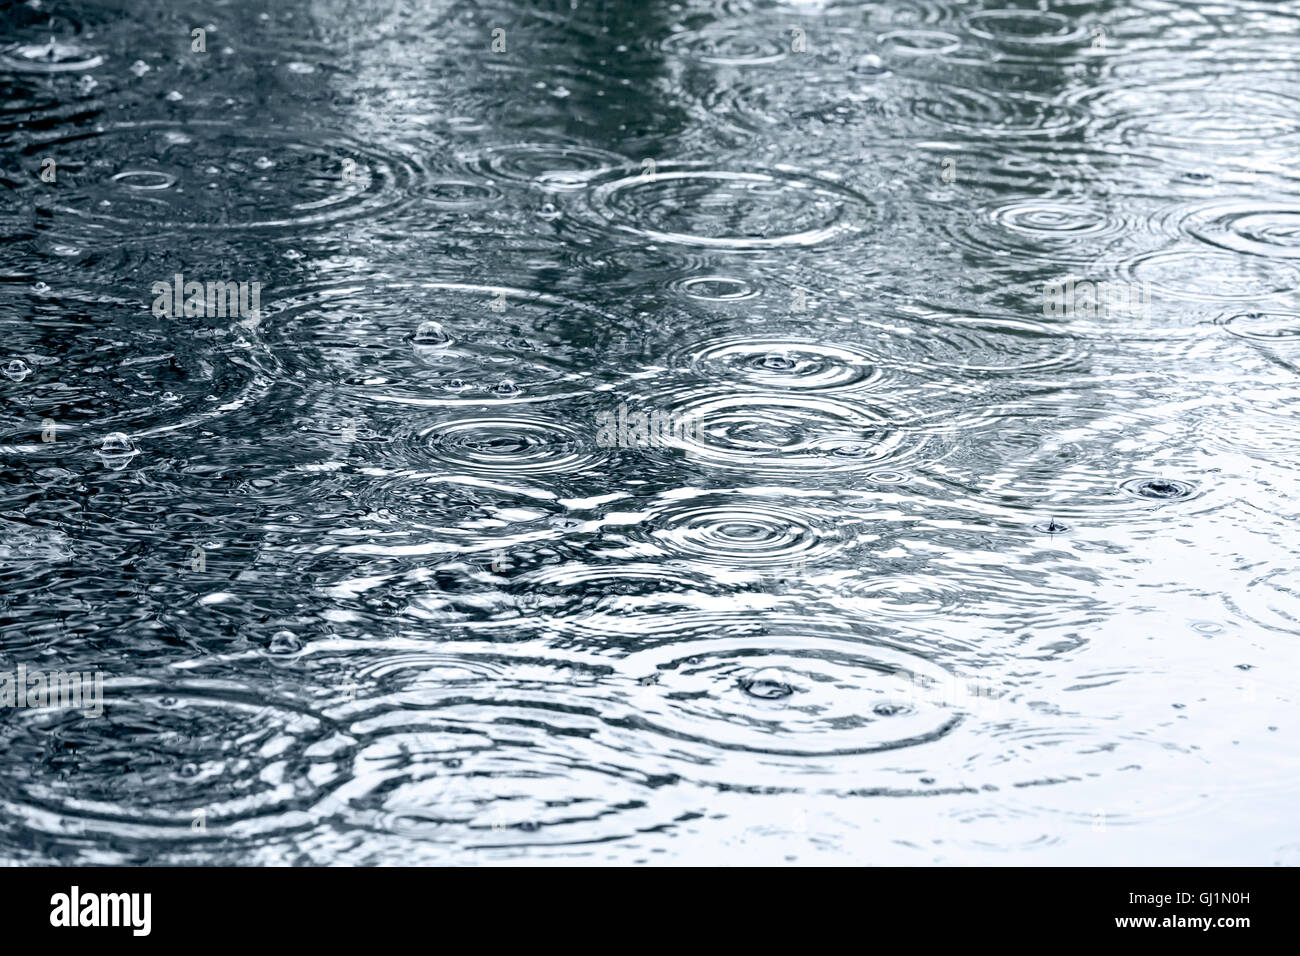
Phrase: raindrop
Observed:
(766, 684)
(431, 334)
(1052, 526)
(778, 361)
(1159, 489)
(17, 370)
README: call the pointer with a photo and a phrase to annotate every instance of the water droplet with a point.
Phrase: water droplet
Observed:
(506, 388)
(140, 67)
(285, 642)
(549, 211)
(174, 96)
(778, 361)
(766, 684)
(117, 450)
(1160, 489)
(17, 370)
(431, 334)
(262, 162)
(1052, 526)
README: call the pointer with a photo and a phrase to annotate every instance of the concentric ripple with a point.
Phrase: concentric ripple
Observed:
(1210, 275)
(722, 45)
(733, 209)
(1014, 29)
(551, 166)
(248, 763)
(743, 531)
(779, 362)
(1270, 328)
(1258, 229)
(1207, 114)
(1058, 461)
(207, 175)
(1057, 231)
(496, 344)
(844, 697)
(508, 446)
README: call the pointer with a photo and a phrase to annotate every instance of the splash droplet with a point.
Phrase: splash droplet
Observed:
(431, 335)
(766, 684)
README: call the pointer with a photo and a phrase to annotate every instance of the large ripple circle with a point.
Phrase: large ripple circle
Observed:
(844, 697)
(779, 433)
(217, 176)
(252, 764)
(701, 206)
(513, 446)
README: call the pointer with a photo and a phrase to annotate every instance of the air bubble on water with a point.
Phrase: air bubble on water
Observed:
(117, 450)
(140, 67)
(506, 388)
(766, 684)
(548, 211)
(284, 642)
(17, 370)
(41, 288)
(264, 162)
(175, 96)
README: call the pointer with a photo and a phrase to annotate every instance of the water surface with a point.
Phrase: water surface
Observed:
(907, 561)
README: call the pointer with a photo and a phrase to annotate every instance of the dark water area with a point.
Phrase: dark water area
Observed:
(690, 432)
